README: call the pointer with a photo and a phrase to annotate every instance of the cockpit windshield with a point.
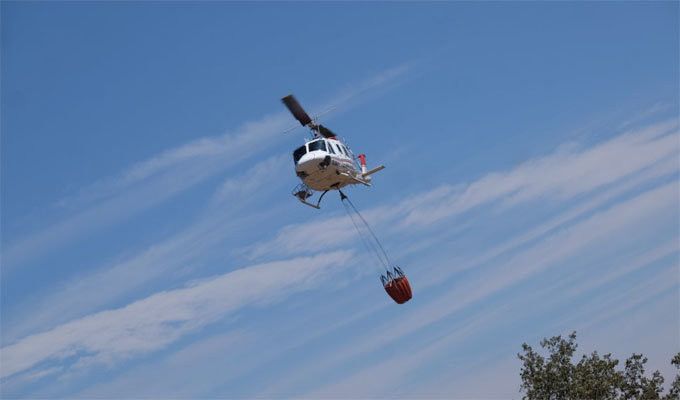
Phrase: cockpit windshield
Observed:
(317, 145)
(299, 152)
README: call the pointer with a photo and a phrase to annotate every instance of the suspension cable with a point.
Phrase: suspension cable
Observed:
(382, 249)
(379, 251)
(370, 246)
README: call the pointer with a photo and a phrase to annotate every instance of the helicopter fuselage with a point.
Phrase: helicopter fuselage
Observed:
(326, 164)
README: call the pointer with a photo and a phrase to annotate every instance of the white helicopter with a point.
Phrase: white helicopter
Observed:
(324, 163)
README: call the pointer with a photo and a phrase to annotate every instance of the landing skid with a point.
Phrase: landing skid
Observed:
(302, 193)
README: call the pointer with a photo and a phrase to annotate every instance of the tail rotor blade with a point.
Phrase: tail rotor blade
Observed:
(296, 109)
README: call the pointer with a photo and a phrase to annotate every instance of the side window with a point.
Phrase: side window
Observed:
(330, 148)
(344, 150)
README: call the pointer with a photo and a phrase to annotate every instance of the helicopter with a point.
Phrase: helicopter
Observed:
(324, 162)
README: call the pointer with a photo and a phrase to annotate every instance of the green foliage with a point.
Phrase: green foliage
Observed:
(674, 391)
(594, 377)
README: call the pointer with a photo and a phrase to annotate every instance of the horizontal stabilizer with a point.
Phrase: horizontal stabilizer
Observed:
(365, 182)
(373, 171)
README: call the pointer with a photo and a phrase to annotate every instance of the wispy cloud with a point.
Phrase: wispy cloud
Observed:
(565, 174)
(168, 376)
(263, 173)
(146, 185)
(382, 379)
(634, 195)
(108, 282)
(163, 176)
(501, 365)
(155, 322)
(551, 252)
(642, 160)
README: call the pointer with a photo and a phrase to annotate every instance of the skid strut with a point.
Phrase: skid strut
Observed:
(302, 192)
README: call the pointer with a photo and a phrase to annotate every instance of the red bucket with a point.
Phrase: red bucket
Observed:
(399, 289)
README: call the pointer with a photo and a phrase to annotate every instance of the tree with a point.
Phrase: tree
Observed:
(674, 391)
(594, 377)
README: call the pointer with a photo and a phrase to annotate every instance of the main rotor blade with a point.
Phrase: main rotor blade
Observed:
(325, 132)
(296, 109)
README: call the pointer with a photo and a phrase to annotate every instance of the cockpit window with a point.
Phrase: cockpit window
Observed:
(317, 145)
(298, 153)
(330, 148)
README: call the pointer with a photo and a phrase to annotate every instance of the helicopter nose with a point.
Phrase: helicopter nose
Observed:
(310, 162)
(305, 164)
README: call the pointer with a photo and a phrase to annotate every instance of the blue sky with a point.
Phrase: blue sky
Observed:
(151, 248)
